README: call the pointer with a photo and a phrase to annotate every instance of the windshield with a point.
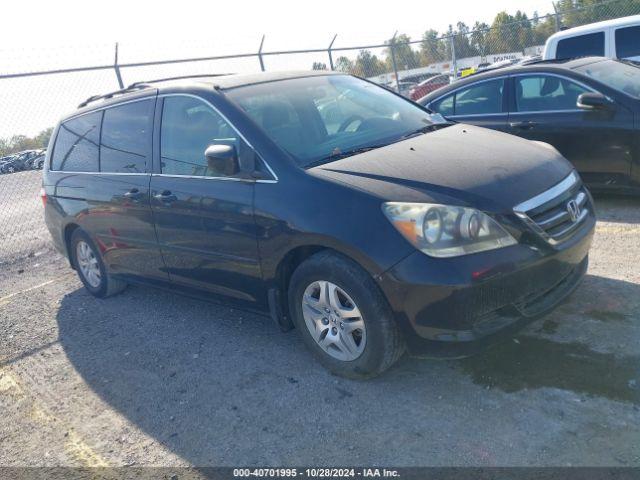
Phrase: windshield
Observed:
(620, 76)
(320, 119)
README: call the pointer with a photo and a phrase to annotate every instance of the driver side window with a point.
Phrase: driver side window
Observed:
(540, 93)
(188, 127)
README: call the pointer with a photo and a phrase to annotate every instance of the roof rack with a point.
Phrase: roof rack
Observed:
(144, 84)
(166, 79)
(130, 88)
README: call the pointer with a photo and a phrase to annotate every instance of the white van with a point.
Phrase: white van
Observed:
(618, 38)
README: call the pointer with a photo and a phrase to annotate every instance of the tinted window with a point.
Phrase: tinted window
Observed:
(588, 45)
(628, 42)
(479, 99)
(316, 119)
(125, 145)
(444, 106)
(76, 147)
(189, 126)
(539, 93)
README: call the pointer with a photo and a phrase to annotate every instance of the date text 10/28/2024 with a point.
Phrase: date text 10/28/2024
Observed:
(315, 472)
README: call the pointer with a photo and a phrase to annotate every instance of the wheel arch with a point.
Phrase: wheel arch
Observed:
(290, 261)
(67, 233)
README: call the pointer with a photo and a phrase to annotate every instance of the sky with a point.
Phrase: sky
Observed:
(41, 35)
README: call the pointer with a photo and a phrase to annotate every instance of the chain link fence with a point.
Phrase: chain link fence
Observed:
(37, 88)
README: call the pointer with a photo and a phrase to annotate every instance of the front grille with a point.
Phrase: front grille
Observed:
(558, 212)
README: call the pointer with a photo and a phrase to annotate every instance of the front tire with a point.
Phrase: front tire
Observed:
(343, 317)
(91, 268)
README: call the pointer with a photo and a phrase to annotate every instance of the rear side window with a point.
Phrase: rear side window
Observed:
(591, 44)
(76, 148)
(444, 106)
(189, 126)
(125, 145)
(628, 42)
(480, 99)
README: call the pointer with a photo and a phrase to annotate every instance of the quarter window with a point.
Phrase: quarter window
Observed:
(76, 147)
(628, 42)
(589, 45)
(539, 93)
(125, 145)
(189, 126)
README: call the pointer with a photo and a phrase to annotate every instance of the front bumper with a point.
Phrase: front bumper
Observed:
(449, 307)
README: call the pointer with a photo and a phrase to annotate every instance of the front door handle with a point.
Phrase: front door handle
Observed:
(165, 197)
(134, 194)
(523, 125)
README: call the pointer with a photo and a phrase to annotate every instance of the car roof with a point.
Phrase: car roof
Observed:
(148, 88)
(241, 80)
(541, 66)
(593, 27)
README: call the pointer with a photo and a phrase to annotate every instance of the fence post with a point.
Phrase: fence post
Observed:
(393, 60)
(260, 54)
(557, 16)
(330, 54)
(116, 67)
(454, 62)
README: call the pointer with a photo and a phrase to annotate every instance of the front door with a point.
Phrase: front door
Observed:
(598, 143)
(204, 218)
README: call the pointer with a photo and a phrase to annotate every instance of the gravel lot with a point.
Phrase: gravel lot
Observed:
(150, 378)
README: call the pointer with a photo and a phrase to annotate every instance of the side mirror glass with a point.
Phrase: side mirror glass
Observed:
(594, 101)
(222, 160)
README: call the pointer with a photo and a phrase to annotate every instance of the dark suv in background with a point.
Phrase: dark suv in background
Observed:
(330, 203)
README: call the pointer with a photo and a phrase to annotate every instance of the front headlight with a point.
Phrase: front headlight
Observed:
(446, 231)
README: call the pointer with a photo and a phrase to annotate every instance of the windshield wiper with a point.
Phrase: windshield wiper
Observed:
(632, 63)
(349, 153)
(425, 129)
(355, 151)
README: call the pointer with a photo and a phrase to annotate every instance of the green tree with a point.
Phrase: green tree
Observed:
(432, 48)
(17, 143)
(406, 57)
(478, 38)
(319, 66)
(580, 12)
(462, 41)
(368, 65)
(343, 64)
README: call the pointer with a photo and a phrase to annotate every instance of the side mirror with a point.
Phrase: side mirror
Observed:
(222, 159)
(594, 101)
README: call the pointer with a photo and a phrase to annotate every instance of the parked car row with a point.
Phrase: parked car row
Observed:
(616, 39)
(25, 160)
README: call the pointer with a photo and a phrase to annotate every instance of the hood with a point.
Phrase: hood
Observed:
(459, 165)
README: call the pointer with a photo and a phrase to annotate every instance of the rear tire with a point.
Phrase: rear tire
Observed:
(352, 331)
(91, 269)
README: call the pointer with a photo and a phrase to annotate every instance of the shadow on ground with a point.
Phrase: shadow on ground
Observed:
(617, 208)
(216, 385)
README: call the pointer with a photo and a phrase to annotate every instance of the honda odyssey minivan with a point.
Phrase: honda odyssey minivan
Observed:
(334, 205)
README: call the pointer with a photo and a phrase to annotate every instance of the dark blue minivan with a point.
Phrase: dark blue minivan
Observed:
(330, 203)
